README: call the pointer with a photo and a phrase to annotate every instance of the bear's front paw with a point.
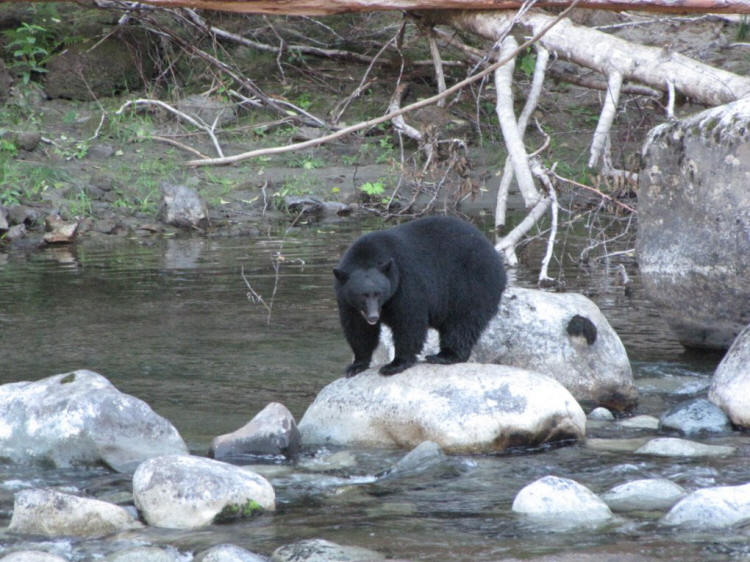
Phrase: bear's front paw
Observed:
(356, 367)
(395, 367)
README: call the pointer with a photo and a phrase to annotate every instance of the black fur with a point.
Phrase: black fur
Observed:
(437, 271)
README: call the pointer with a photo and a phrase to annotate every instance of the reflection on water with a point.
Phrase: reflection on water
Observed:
(171, 323)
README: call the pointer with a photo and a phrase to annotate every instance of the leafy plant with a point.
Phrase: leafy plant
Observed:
(527, 62)
(30, 46)
(372, 189)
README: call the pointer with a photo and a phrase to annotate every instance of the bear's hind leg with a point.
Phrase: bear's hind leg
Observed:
(456, 343)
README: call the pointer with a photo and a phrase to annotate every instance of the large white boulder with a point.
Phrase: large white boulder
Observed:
(562, 335)
(81, 418)
(730, 386)
(187, 492)
(464, 408)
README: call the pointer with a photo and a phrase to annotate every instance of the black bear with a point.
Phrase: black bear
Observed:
(437, 271)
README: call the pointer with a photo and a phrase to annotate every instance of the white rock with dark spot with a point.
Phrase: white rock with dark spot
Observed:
(464, 408)
(675, 447)
(532, 330)
(716, 507)
(648, 494)
(561, 501)
(46, 512)
(187, 492)
(81, 418)
(730, 386)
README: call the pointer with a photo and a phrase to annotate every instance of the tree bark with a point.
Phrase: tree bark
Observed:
(325, 7)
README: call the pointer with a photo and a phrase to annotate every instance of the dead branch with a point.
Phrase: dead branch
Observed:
(607, 116)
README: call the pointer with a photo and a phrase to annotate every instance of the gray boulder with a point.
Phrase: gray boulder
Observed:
(694, 417)
(561, 502)
(730, 386)
(319, 550)
(693, 246)
(51, 513)
(644, 495)
(186, 492)
(716, 507)
(464, 408)
(81, 418)
(562, 335)
(208, 109)
(182, 207)
(272, 431)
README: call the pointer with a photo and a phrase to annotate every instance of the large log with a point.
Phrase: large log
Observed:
(326, 7)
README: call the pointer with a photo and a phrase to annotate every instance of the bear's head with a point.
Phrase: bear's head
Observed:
(367, 290)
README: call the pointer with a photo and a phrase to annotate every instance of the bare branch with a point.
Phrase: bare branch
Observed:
(607, 116)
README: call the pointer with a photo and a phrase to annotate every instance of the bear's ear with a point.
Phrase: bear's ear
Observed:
(385, 267)
(341, 275)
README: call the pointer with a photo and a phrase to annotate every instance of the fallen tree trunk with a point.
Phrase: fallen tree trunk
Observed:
(326, 7)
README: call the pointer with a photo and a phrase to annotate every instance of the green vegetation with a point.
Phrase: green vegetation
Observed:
(29, 46)
(232, 512)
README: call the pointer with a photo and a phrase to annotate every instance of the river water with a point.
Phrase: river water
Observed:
(170, 321)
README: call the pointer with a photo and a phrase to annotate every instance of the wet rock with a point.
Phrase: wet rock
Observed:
(720, 506)
(182, 207)
(21, 214)
(52, 514)
(310, 207)
(228, 553)
(80, 418)
(616, 445)
(640, 422)
(730, 386)
(423, 457)
(601, 414)
(464, 408)
(532, 330)
(648, 494)
(145, 554)
(319, 550)
(674, 447)
(207, 109)
(85, 70)
(335, 461)
(694, 417)
(3, 219)
(272, 431)
(58, 231)
(187, 492)
(16, 232)
(693, 219)
(561, 502)
(31, 556)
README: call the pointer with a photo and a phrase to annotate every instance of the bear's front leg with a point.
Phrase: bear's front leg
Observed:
(408, 338)
(362, 337)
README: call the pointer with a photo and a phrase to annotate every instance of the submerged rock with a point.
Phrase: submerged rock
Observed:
(272, 431)
(228, 553)
(644, 495)
(674, 447)
(423, 457)
(561, 501)
(31, 556)
(562, 335)
(464, 408)
(186, 492)
(720, 506)
(730, 386)
(59, 231)
(146, 554)
(81, 418)
(693, 246)
(640, 422)
(52, 514)
(694, 417)
(319, 550)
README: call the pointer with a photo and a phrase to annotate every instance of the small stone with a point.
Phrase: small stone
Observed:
(59, 231)
(674, 447)
(601, 414)
(694, 417)
(640, 422)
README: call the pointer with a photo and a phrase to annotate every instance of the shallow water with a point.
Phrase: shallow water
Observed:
(170, 322)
